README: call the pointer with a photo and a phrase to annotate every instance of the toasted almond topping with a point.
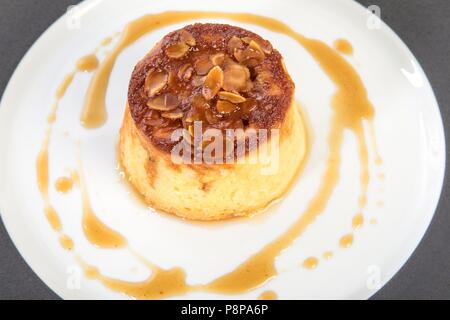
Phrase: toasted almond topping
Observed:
(236, 77)
(196, 113)
(225, 107)
(199, 103)
(251, 56)
(202, 65)
(185, 72)
(210, 117)
(253, 45)
(163, 133)
(265, 46)
(213, 83)
(263, 76)
(155, 82)
(173, 81)
(248, 106)
(177, 50)
(231, 97)
(164, 102)
(173, 115)
(153, 119)
(247, 40)
(198, 81)
(235, 43)
(187, 38)
(218, 58)
(171, 101)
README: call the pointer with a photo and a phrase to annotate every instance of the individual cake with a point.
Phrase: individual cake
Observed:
(211, 129)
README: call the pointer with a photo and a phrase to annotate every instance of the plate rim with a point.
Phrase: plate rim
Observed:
(432, 204)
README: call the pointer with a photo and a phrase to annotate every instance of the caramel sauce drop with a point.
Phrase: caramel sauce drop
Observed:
(343, 46)
(63, 184)
(53, 218)
(311, 263)
(346, 241)
(106, 41)
(358, 221)
(66, 242)
(61, 91)
(268, 295)
(327, 255)
(87, 63)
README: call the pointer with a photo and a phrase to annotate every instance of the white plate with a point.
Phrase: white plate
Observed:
(408, 130)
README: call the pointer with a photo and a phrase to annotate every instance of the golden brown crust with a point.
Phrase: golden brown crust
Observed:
(174, 72)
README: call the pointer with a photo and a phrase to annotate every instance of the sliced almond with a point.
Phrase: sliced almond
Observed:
(213, 83)
(236, 77)
(235, 43)
(210, 117)
(171, 101)
(231, 97)
(247, 39)
(263, 76)
(225, 107)
(153, 118)
(177, 50)
(202, 65)
(199, 103)
(248, 106)
(265, 45)
(165, 102)
(163, 134)
(157, 104)
(218, 58)
(173, 115)
(187, 38)
(173, 80)
(194, 114)
(251, 56)
(185, 72)
(155, 82)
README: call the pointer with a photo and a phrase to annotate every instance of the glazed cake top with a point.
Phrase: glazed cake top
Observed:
(225, 76)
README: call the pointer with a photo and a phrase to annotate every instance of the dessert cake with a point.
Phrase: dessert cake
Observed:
(205, 84)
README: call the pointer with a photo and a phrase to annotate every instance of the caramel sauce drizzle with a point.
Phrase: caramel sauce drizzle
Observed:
(87, 63)
(346, 241)
(42, 181)
(358, 221)
(98, 233)
(311, 263)
(268, 295)
(350, 107)
(64, 184)
(343, 46)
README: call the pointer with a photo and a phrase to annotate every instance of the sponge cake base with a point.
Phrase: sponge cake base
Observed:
(212, 192)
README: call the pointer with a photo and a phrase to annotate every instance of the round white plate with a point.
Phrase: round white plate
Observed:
(408, 130)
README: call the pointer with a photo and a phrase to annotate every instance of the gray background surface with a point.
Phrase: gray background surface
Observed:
(425, 27)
